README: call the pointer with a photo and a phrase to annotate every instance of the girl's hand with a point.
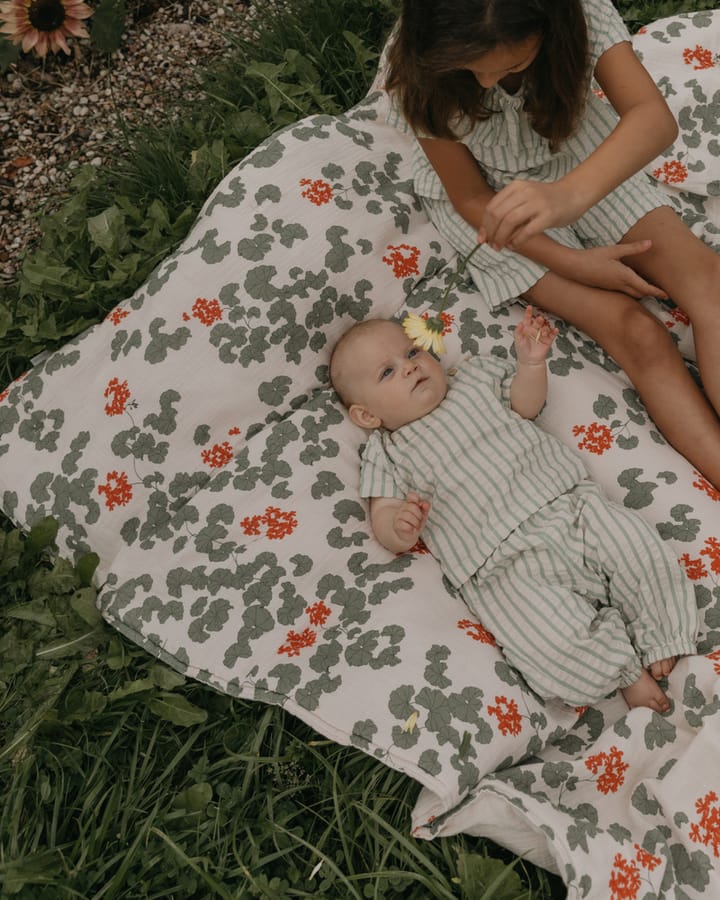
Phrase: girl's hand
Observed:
(411, 517)
(523, 209)
(603, 267)
(534, 336)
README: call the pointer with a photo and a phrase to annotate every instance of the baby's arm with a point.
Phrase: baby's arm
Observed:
(533, 338)
(397, 523)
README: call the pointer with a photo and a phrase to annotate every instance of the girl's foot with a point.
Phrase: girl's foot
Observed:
(646, 692)
(662, 667)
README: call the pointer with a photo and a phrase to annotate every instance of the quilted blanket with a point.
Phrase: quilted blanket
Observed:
(192, 441)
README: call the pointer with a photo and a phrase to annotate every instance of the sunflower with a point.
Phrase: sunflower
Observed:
(43, 25)
(426, 332)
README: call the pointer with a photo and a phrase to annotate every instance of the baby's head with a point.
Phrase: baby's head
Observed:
(383, 378)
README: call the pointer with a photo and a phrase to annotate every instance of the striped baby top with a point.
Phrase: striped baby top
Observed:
(483, 468)
(506, 146)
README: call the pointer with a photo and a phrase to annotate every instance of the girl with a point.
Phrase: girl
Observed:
(515, 150)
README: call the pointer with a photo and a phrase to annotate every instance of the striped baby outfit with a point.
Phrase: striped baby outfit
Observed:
(578, 591)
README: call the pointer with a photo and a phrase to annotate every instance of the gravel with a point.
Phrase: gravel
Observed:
(62, 113)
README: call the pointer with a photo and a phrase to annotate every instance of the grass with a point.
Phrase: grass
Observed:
(120, 778)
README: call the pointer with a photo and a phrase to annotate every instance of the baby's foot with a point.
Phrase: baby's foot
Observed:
(662, 667)
(646, 692)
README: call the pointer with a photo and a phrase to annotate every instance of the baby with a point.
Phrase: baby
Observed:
(581, 594)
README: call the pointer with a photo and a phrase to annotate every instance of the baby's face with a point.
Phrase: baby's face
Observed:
(393, 379)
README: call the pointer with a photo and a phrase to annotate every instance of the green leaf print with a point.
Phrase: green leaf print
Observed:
(429, 761)
(639, 494)
(288, 677)
(274, 392)
(212, 620)
(162, 343)
(659, 732)
(685, 529)
(255, 249)
(435, 671)
(326, 484)
(363, 733)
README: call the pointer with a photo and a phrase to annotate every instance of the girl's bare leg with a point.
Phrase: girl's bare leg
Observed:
(689, 271)
(643, 348)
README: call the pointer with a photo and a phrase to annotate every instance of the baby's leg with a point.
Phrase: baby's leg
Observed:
(537, 597)
(644, 581)
(646, 692)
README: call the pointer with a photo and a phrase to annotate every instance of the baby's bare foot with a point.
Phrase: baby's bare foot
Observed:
(662, 667)
(646, 692)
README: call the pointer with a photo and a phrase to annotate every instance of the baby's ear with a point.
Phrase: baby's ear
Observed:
(362, 416)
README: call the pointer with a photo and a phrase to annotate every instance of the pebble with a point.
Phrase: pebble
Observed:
(60, 114)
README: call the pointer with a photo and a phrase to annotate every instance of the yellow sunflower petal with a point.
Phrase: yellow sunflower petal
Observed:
(425, 333)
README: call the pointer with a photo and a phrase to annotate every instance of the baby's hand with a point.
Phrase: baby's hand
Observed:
(411, 517)
(533, 337)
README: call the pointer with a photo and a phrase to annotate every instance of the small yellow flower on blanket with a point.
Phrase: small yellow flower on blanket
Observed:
(409, 724)
(426, 332)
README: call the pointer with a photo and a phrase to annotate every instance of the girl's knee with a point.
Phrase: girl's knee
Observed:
(640, 339)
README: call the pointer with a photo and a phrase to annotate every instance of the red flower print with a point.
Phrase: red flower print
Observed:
(218, 455)
(694, 568)
(232, 432)
(625, 879)
(477, 632)
(4, 395)
(597, 438)
(120, 394)
(712, 551)
(646, 859)
(278, 524)
(318, 613)
(117, 490)
(205, 311)
(418, 547)
(581, 710)
(707, 830)
(446, 318)
(671, 172)
(295, 642)
(117, 315)
(318, 192)
(715, 657)
(613, 775)
(699, 55)
(702, 484)
(508, 715)
(679, 316)
(403, 260)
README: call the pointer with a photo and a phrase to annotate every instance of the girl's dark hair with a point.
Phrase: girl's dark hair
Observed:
(437, 38)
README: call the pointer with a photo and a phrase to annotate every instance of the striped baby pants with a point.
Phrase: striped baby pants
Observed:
(582, 595)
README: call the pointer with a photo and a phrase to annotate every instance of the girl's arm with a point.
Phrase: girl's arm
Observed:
(470, 194)
(397, 523)
(646, 127)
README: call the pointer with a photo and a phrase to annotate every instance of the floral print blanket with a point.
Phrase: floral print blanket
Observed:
(192, 441)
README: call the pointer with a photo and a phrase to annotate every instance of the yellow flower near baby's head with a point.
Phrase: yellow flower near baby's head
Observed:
(427, 334)
(43, 25)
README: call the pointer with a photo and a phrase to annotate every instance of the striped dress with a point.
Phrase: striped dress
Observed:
(579, 592)
(506, 147)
